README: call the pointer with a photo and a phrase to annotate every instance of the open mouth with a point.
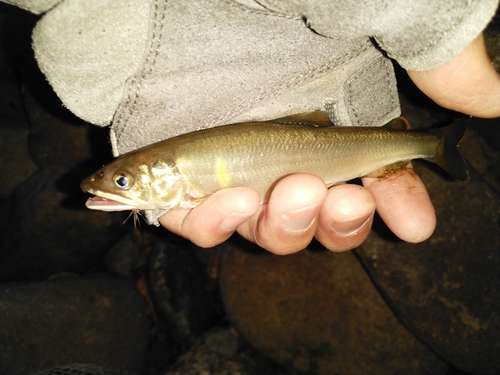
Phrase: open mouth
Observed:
(109, 202)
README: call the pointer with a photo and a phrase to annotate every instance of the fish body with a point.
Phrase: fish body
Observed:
(183, 171)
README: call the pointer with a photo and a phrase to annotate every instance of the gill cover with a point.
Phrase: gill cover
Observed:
(166, 184)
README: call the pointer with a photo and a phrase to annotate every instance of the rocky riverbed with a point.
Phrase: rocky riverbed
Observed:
(80, 289)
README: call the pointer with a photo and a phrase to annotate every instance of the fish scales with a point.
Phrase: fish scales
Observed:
(183, 171)
(260, 156)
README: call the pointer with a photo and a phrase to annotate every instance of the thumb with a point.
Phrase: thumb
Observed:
(467, 83)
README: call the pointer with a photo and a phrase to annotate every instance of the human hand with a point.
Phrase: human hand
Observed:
(301, 207)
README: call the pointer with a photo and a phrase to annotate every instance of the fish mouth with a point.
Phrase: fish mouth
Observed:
(109, 202)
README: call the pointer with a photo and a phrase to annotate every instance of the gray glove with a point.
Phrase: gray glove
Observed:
(155, 69)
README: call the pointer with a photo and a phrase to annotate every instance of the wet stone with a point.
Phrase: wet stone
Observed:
(185, 297)
(447, 289)
(202, 360)
(317, 311)
(492, 41)
(47, 229)
(95, 319)
(223, 341)
(82, 369)
(124, 255)
(16, 163)
(57, 137)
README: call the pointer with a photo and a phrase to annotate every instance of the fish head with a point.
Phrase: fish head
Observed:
(127, 184)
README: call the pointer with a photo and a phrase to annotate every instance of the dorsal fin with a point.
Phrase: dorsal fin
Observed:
(320, 118)
(399, 123)
(315, 118)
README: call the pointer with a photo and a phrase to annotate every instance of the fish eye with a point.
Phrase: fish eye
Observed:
(123, 180)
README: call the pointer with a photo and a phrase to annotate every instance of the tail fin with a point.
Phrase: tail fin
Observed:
(448, 157)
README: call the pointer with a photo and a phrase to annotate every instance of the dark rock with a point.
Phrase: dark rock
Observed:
(44, 230)
(57, 137)
(184, 296)
(200, 360)
(16, 163)
(55, 141)
(223, 341)
(481, 149)
(492, 41)
(446, 289)
(94, 319)
(125, 254)
(317, 311)
(48, 230)
(82, 369)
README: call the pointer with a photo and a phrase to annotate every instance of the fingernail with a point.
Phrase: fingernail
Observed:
(346, 228)
(233, 221)
(299, 220)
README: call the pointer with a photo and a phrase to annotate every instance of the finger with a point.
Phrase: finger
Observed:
(467, 83)
(404, 205)
(214, 220)
(287, 223)
(346, 217)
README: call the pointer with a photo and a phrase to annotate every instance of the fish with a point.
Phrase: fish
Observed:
(185, 170)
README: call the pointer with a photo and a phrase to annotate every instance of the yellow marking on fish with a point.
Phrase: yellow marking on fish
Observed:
(221, 173)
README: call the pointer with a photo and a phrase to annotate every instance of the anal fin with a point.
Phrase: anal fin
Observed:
(388, 169)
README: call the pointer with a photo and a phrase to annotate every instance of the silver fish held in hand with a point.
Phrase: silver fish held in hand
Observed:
(185, 170)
